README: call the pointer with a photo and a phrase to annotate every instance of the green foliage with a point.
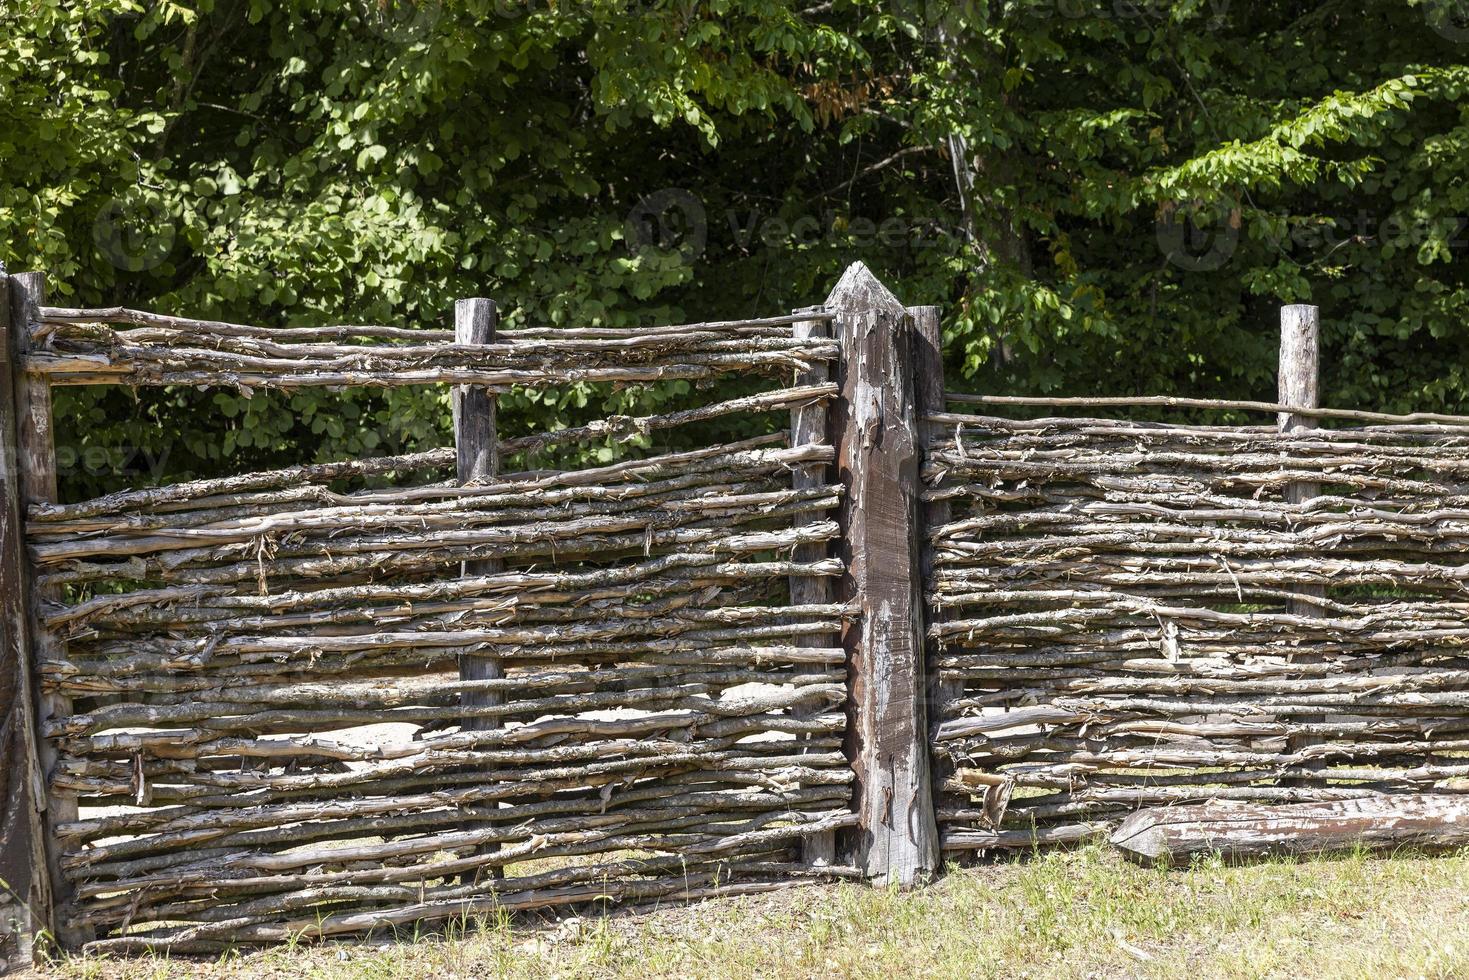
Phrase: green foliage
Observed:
(1150, 180)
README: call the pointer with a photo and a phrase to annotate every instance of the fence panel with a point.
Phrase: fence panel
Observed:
(1122, 619)
(269, 732)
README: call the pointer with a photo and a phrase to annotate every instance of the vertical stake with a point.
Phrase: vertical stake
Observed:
(809, 427)
(876, 422)
(37, 479)
(1300, 387)
(928, 372)
(25, 903)
(478, 450)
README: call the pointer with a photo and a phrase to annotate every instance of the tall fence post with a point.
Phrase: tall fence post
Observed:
(1300, 387)
(809, 426)
(875, 422)
(37, 477)
(25, 887)
(932, 399)
(478, 449)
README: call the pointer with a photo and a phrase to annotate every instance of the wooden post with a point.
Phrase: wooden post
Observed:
(875, 420)
(36, 476)
(808, 427)
(479, 459)
(1300, 387)
(478, 449)
(25, 887)
(928, 372)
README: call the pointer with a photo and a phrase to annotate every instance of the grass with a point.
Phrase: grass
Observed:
(1083, 913)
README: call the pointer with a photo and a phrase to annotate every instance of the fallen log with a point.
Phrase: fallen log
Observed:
(1237, 832)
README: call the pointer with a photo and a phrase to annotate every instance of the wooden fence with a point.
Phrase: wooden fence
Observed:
(356, 697)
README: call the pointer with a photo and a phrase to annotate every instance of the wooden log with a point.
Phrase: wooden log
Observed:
(945, 686)
(1236, 832)
(479, 461)
(1170, 401)
(36, 471)
(207, 328)
(23, 830)
(809, 426)
(896, 836)
(928, 371)
(625, 427)
(477, 444)
(1299, 383)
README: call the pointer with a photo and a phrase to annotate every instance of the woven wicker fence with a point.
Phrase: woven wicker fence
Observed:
(1131, 614)
(373, 696)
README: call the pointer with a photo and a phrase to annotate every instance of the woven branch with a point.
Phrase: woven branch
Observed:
(1120, 614)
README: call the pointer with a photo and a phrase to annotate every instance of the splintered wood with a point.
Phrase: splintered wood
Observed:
(1120, 618)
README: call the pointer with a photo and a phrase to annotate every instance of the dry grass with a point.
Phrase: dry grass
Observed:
(1078, 914)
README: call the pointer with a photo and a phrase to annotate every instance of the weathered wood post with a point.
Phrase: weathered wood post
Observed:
(478, 449)
(875, 422)
(809, 426)
(37, 479)
(25, 887)
(1299, 386)
(932, 399)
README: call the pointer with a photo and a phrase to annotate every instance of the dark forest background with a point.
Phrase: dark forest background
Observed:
(1105, 197)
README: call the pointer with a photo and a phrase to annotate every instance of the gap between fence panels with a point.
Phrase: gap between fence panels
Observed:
(344, 698)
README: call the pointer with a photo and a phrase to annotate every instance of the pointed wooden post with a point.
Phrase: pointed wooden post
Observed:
(875, 422)
(25, 887)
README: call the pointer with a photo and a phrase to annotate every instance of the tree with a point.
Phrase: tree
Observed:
(1104, 196)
